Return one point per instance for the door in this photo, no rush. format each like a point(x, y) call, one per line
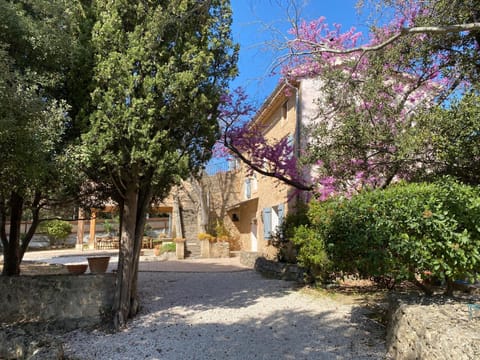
point(253, 235)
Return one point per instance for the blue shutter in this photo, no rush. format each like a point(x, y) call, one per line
point(267, 223)
point(280, 212)
point(248, 189)
point(291, 142)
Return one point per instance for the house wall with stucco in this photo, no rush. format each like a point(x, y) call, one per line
point(267, 199)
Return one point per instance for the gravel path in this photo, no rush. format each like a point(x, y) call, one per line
point(237, 315)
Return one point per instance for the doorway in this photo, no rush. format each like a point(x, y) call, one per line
point(253, 235)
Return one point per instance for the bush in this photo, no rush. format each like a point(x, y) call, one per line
point(312, 253)
point(168, 247)
point(400, 232)
point(282, 238)
point(57, 230)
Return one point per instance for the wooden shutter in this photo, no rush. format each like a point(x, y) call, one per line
point(281, 213)
point(267, 223)
point(248, 189)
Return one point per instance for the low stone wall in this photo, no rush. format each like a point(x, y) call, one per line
point(68, 301)
point(248, 258)
point(433, 331)
point(277, 270)
point(220, 250)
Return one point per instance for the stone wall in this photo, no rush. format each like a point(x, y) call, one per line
point(68, 301)
point(220, 250)
point(277, 270)
point(248, 258)
point(433, 331)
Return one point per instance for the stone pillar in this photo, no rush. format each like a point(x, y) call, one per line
point(93, 221)
point(180, 248)
point(177, 221)
point(205, 248)
point(80, 229)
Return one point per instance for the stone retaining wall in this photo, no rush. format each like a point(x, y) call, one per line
point(248, 258)
point(277, 270)
point(220, 250)
point(433, 331)
point(68, 301)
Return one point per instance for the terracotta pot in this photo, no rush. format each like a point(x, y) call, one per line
point(76, 269)
point(98, 264)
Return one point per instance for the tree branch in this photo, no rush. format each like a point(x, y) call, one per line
point(297, 184)
point(321, 48)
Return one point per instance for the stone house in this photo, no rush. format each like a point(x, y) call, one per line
point(249, 206)
point(265, 201)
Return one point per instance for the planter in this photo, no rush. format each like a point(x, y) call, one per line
point(76, 269)
point(98, 264)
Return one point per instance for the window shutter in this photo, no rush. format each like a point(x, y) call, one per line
point(280, 212)
point(291, 143)
point(267, 223)
point(248, 189)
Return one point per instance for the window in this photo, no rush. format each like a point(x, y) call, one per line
point(272, 219)
point(285, 110)
point(248, 189)
point(254, 183)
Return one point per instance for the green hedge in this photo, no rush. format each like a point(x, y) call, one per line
point(398, 233)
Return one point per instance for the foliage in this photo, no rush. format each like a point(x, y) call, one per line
point(283, 237)
point(402, 231)
point(111, 227)
point(221, 230)
point(371, 85)
point(312, 252)
point(205, 236)
point(39, 49)
point(450, 138)
point(168, 247)
point(57, 230)
point(160, 70)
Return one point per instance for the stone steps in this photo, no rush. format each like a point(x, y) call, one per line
point(192, 249)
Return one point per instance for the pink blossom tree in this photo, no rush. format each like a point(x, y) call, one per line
point(245, 140)
point(370, 91)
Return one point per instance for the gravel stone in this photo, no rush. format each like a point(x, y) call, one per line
point(232, 315)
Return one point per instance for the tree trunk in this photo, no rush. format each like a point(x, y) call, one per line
point(126, 269)
point(11, 253)
point(33, 226)
point(144, 199)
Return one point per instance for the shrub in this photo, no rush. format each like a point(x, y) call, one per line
point(57, 230)
point(206, 236)
point(312, 253)
point(402, 231)
point(283, 237)
point(168, 247)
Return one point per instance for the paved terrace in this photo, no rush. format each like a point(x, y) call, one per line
point(147, 262)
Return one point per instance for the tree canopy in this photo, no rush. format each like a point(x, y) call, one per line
point(37, 44)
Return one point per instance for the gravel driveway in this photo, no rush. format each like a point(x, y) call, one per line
point(232, 315)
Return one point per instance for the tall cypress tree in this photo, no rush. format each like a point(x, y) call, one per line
point(160, 69)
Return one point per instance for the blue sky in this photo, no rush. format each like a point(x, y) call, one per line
point(258, 22)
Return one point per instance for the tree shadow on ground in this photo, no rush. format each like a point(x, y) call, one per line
point(232, 316)
point(165, 290)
